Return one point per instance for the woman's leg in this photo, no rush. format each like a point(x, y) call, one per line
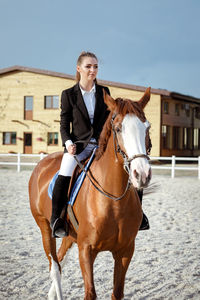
point(58, 223)
point(59, 202)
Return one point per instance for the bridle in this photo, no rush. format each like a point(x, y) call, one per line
point(126, 165)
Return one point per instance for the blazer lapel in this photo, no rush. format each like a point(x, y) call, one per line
point(80, 102)
point(99, 103)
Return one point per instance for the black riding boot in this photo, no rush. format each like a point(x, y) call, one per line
point(145, 222)
point(58, 221)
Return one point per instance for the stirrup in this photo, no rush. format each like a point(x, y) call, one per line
point(60, 228)
point(145, 223)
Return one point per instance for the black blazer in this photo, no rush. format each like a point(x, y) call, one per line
point(74, 113)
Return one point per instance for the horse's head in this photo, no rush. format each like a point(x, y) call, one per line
point(131, 132)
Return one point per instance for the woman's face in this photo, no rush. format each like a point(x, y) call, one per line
point(88, 69)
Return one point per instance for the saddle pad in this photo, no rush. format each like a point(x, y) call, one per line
point(77, 184)
point(51, 185)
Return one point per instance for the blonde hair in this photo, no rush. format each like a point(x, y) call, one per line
point(79, 62)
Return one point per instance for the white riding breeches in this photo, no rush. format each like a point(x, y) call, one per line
point(68, 162)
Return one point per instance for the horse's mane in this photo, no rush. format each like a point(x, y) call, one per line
point(124, 106)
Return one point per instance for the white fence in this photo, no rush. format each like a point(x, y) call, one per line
point(19, 161)
point(173, 167)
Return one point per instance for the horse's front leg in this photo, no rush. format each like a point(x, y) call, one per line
point(122, 261)
point(86, 258)
point(49, 245)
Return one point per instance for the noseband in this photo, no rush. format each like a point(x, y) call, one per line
point(117, 149)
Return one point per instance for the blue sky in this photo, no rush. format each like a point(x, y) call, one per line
point(143, 42)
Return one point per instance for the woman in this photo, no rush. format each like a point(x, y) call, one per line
point(83, 107)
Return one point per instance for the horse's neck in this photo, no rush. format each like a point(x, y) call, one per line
point(109, 170)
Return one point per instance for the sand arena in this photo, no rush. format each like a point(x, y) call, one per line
point(165, 264)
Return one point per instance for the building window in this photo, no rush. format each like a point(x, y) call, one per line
point(197, 112)
point(166, 107)
point(28, 107)
point(187, 110)
point(177, 109)
point(165, 137)
point(196, 138)
point(52, 138)
point(9, 138)
point(51, 102)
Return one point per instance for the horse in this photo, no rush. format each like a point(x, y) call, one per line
point(107, 207)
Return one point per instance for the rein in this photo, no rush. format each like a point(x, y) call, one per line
point(100, 188)
point(126, 165)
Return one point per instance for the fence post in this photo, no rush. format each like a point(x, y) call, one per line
point(199, 167)
point(41, 155)
point(173, 166)
point(18, 162)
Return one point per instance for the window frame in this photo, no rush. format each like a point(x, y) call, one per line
point(166, 107)
point(28, 114)
point(52, 101)
point(53, 138)
point(177, 109)
point(187, 111)
point(197, 113)
point(10, 138)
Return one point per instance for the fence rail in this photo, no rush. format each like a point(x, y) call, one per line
point(173, 167)
point(19, 161)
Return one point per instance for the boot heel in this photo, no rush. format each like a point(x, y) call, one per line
point(145, 223)
point(60, 228)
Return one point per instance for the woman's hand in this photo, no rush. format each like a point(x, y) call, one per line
point(72, 149)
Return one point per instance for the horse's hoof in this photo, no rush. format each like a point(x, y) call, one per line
point(60, 228)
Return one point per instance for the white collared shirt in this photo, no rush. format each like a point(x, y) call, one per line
point(90, 101)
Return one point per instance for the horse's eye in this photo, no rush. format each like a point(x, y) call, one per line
point(118, 129)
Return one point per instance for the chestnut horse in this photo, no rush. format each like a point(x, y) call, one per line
point(109, 217)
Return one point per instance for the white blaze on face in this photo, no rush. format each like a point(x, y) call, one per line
point(133, 134)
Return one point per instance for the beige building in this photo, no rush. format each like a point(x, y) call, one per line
point(30, 113)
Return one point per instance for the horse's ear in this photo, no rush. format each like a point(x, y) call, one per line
point(145, 98)
point(109, 101)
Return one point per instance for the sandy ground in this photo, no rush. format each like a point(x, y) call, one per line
point(165, 265)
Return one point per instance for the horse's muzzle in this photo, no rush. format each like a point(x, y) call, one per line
point(141, 179)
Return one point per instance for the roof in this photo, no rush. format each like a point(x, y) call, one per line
point(161, 92)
